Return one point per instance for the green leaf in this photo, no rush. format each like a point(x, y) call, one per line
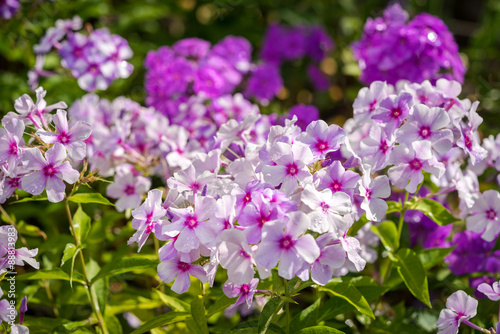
point(85, 198)
point(70, 252)
point(393, 207)
point(352, 295)
point(51, 274)
point(254, 324)
point(174, 303)
point(434, 210)
point(124, 265)
point(199, 314)
point(307, 317)
point(221, 304)
point(413, 274)
point(266, 316)
point(162, 320)
point(29, 230)
point(113, 325)
point(388, 234)
point(31, 199)
point(81, 222)
point(100, 289)
point(319, 330)
point(433, 256)
point(362, 221)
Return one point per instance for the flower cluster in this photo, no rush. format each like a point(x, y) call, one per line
point(43, 162)
point(392, 49)
point(9, 8)
point(96, 59)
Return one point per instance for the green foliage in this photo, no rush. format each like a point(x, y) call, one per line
point(199, 315)
point(85, 198)
point(319, 330)
point(162, 320)
point(268, 312)
point(125, 265)
point(432, 209)
point(348, 292)
point(388, 234)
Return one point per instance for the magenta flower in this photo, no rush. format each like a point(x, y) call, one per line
point(180, 271)
point(193, 227)
point(188, 182)
point(322, 138)
point(11, 142)
point(128, 188)
point(49, 171)
point(469, 138)
point(291, 166)
point(372, 191)
point(491, 291)
point(305, 115)
point(236, 256)
point(257, 214)
point(71, 138)
point(282, 241)
point(368, 100)
point(409, 164)
point(392, 111)
point(427, 124)
point(332, 257)
point(375, 149)
point(336, 178)
point(146, 217)
point(264, 83)
point(459, 308)
point(485, 216)
point(244, 292)
point(5, 309)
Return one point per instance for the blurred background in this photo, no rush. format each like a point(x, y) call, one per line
point(149, 24)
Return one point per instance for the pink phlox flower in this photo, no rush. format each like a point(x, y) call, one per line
point(491, 291)
point(180, 271)
point(332, 256)
point(146, 217)
point(244, 292)
point(469, 138)
point(409, 162)
point(372, 190)
point(128, 188)
point(327, 208)
point(485, 216)
point(392, 111)
point(49, 171)
point(369, 99)
point(188, 183)
point(285, 241)
point(11, 145)
point(207, 162)
point(72, 138)
point(236, 131)
point(336, 178)
point(256, 215)
point(236, 256)
point(322, 138)
point(459, 307)
point(375, 149)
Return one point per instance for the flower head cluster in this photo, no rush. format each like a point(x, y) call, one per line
point(392, 49)
point(96, 59)
point(43, 163)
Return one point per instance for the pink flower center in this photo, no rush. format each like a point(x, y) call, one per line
point(425, 132)
point(149, 228)
point(49, 170)
point(286, 242)
point(262, 220)
point(491, 214)
point(372, 106)
point(191, 222)
point(324, 206)
point(292, 169)
point(396, 112)
point(383, 146)
point(247, 198)
point(336, 186)
point(14, 182)
point(321, 145)
point(468, 142)
point(13, 148)
point(245, 254)
point(415, 164)
point(129, 190)
point(368, 194)
point(183, 266)
point(195, 186)
point(63, 138)
point(94, 69)
point(245, 289)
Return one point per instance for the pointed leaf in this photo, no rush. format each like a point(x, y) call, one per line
point(320, 330)
point(348, 292)
point(124, 265)
point(174, 303)
point(162, 320)
point(434, 210)
point(85, 198)
point(270, 309)
point(52, 274)
point(81, 222)
point(307, 317)
point(388, 234)
point(199, 314)
point(221, 304)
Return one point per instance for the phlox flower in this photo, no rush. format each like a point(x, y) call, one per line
point(49, 171)
point(11, 144)
point(336, 178)
point(236, 256)
point(491, 291)
point(285, 242)
point(485, 216)
point(322, 138)
point(256, 215)
point(244, 292)
point(305, 115)
point(459, 308)
point(372, 191)
point(332, 257)
point(375, 149)
point(4, 309)
point(469, 138)
point(392, 111)
point(128, 188)
point(368, 100)
point(180, 271)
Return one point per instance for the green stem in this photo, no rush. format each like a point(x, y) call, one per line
point(402, 216)
point(287, 306)
point(93, 300)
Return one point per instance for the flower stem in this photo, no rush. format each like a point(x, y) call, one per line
point(287, 306)
point(93, 300)
point(402, 216)
point(476, 327)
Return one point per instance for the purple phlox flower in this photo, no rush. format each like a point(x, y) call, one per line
point(491, 291)
point(243, 172)
point(176, 142)
point(392, 111)
point(128, 187)
point(9, 8)
point(7, 187)
point(194, 226)
point(233, 106)
point(425, 232)
point(322, 138)
point(244, 292)
point(320, 80)
point(19, 329)
point(180, 270)
point(256, 215)
point(55, 34)
point(425, 93)
point(427, 124)
point(469, 138)
point(5, 310)
point(332, 257)
point(49, 171)
point(376, 148)
point(352, 248)
point(209, 82)
point(23, 309)
point(264, 83)
point(336, 178)
point(11, 145)
point(236, 256)
point(319, 43)
point(72, 138)
point(284, 241)
point(192, 48)
point(452, 162)
point(474, 282)
point(236, 132)
point(72, 49)
point(30, 111)
point(369, 99)
point(459, 307)
point(236, 50)
point(146, 217)
point(373, 190)
point(283, 203)
point(485, 215)
point(290, 166)
point(472, 254)
point(188, 183)
point(225, 212)
point(246, 196)
point(327, 209)
point(305, 115)
point(409, 164)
